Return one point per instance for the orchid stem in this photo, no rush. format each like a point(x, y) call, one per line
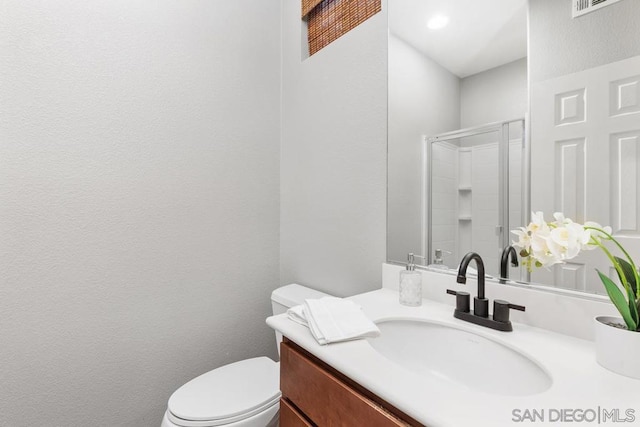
point(626, 254)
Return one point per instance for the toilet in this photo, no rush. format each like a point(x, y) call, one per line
point(240, 394)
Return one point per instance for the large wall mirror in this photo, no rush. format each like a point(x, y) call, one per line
point(568, 90)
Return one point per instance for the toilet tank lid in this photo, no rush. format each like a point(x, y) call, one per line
point(294, 294)
point(231, 392)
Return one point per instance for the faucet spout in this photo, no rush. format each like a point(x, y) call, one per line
point(504, 260)
point(480, 316)
point(462, 271)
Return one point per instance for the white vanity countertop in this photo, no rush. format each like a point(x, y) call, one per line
point(579, 383)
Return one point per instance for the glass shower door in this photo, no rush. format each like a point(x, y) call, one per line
point(474, 190)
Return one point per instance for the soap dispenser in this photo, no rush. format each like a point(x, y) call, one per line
point(411, 284)
point(438, 262)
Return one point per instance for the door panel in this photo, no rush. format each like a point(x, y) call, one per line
point(585, 153)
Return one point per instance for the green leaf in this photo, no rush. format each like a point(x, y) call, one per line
point(618, 299)
point(628, 273)
point(633, 308)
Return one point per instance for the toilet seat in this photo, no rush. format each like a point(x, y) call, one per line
point(227, 394)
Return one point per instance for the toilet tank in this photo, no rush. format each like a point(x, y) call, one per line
point(288, 296)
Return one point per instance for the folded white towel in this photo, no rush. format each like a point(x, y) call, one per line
point(333, 319)
point(296, 314)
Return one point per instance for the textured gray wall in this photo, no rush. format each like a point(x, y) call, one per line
point(494, 95)
point(424, 99)
point(333, 158)
point(139, 201)
point(559, 45)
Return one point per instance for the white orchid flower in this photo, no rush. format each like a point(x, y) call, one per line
point(565, 242)
point(546, 244)
point(560, 219)
point(596, 234)
point(524, 239)
point(540, 251)
point(549, 243)
point(546, 259)
point(537, 222)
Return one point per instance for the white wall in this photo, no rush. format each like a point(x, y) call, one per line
point(494, 95)
point(424, 99)
point(139, 198)
point(333, 158)
point(560, 45)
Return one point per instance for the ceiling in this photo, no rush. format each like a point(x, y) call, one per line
point(481, 34)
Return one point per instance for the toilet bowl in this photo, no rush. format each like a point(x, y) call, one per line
point(241, 394)
point(244, 393)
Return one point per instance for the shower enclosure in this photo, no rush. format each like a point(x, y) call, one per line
point(475, 191)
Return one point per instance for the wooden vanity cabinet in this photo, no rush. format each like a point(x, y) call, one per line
point(315, 394)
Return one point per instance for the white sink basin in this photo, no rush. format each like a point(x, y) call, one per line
point(460, 357)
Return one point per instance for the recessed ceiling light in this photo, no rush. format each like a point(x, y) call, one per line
point(437, 22)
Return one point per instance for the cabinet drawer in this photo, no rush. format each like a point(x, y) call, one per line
point(289, 417)
point(323, 397)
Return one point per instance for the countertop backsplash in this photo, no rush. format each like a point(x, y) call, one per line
point(560, 311)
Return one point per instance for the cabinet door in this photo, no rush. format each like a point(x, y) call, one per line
point(325, 399)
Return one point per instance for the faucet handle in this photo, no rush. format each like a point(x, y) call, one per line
point(462, 300)
point(501, 310)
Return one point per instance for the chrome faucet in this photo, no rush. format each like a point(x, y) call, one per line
point(480, 316)
point(504, 260)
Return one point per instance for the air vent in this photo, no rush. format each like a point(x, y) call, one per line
point(581, 7)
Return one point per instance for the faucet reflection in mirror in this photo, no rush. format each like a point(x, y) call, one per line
point(507, 252)
point(543, 244)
